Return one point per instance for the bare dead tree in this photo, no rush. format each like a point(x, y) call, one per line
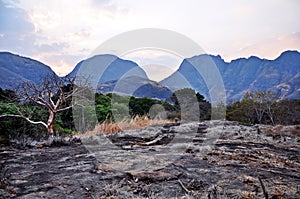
point(262, 104)
point(271, 100)
point(52, 93)
point(258, 105)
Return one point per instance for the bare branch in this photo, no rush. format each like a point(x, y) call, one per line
point(52, 93)
point(65, 108)
point(183, 187)
point(26, 118)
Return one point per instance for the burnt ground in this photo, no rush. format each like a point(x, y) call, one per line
point(244, 162)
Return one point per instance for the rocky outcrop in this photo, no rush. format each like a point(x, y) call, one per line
point(221, 160)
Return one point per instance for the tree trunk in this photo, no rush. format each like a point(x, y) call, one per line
point(50, 123)
point(271, 113)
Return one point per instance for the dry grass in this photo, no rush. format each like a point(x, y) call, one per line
point(290, 130)
point(137, 122)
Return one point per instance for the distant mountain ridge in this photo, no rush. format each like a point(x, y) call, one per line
point(281, 75)
point(244, 74)
point(15, 69)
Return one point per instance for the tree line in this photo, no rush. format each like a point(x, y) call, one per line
point(47, 107)
point(263, 107)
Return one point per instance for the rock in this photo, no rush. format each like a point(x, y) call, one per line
point(45, 142)
point(222, 160)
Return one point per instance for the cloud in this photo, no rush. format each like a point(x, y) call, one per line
point(154, 56)
point(16, 29)
point(19, 35)
point(271, 48)
point(43, 32)
point(40, 28)
point(157, 72)
point(157, 63)
point(45, 29)
point(14, 20)
point(62, 64)
point(54, 47)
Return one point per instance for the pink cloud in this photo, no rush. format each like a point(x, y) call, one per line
point(272, 48)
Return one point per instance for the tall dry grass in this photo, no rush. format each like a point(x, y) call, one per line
point(288, 130)
point(108, 127)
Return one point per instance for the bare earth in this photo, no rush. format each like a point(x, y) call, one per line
point(244, 162)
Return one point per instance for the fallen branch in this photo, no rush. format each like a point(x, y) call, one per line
point(156, 141)
point(263, 188)
point(183, 187)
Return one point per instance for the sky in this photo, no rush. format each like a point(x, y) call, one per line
point(60, 33)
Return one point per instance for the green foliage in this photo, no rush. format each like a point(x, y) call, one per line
point(103, 112)
point(236, 112)
point(15, 128)
point(114, 107)
point(119, 98)
point(200, 98)
point(85, 118)
point(188, 104)
point(140, 106)
point(8, 108)
point(110, 107)
point(59, 127)
point(120, 112)
point(219, 111)
point(103, 99)
point(103, 107)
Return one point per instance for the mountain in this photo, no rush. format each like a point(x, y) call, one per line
point(121, 76)
point(116, 68)
point(136, 86)
point(15, 69)
point(290, 89)
point(241, 75)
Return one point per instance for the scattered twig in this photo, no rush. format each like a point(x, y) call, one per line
point(4, 175)
point(157, 140)
point(263, 188)
point(183, 187)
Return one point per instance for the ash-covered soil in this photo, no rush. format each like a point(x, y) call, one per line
point(212, 159)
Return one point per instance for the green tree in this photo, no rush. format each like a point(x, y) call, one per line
point(103, 107)
point(219, 111)
point(235, 112)
point(120, 112)
point(141, 106)
point(191, 105)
